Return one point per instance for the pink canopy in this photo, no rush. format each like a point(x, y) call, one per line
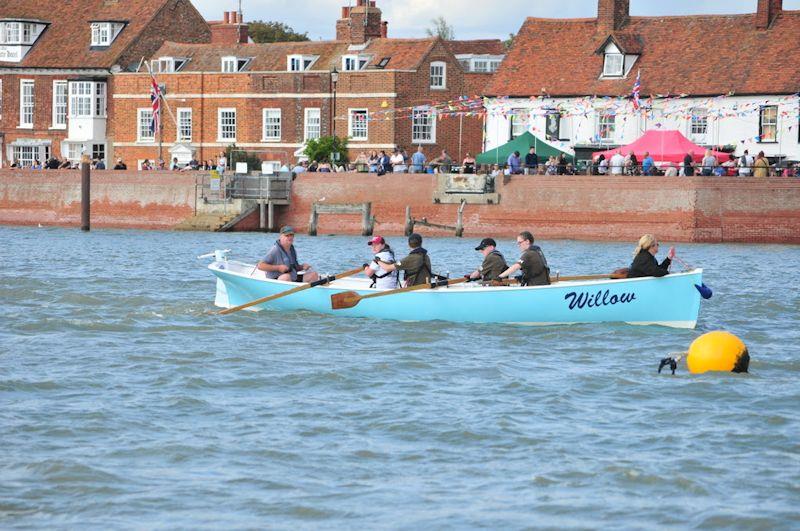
point(664, 146)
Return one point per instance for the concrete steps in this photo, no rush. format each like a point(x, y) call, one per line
point(205, 222)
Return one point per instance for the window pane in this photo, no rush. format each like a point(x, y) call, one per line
point(613, 64)
point(769, 124)
point(60, 103)
point(312, 124)
point(26, 103)
point(358, 124)
point(437, 75)
point(184, 125)
point(227, 124)
point(145, 122)
point(607, 125)
point(422, 126)
point(272, 124)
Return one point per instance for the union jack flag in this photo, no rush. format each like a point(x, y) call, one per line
point(637, 87)
point(155, 98)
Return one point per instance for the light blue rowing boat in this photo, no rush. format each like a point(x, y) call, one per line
point(669, 301)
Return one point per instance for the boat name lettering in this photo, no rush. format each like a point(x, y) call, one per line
point(600, 298)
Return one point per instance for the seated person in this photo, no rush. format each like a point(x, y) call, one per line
point(644, 259)
point(281, 262)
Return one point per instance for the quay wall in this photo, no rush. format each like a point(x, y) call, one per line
point(608, 208)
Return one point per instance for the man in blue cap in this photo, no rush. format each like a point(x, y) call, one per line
point(281, 262)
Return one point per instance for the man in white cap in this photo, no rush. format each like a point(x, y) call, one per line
point(281, 262)
point(381, 278)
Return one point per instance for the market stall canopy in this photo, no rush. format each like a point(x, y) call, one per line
point(522, 144)
point(663, 146)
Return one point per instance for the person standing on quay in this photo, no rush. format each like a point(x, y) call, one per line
point(761, 166)
point(418, 161)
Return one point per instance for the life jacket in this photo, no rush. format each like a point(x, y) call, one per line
point(423, 267)
point(525, 279)
point(290, 257)
point(382, 273)
point(498, 253)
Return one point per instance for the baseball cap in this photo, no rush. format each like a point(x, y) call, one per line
point(376, 240)
point(486, 242)
point(286, 229)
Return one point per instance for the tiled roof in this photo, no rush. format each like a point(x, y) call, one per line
point(701, 55)
point(67, 40)
point(476, 47)
point(403, 53)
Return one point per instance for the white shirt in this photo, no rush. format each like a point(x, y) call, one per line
point(747, 167)
point(617, 162)
point(390, 280)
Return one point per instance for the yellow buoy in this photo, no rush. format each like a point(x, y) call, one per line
point(717, 351)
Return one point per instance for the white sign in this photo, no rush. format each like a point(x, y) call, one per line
point(241, 168)
point(11, 54)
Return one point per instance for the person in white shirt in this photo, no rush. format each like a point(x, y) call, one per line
point(222, 162)
point(746, 163)
point(381, 278)
point(617, 164)
point(398, 162)
point(671, 170)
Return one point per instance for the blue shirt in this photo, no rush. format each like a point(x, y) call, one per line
point(647, 164)
point(418, 160)
point(513, 162)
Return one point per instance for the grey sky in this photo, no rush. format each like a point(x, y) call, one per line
point(471, 19)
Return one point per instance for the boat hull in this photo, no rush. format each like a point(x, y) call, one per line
point(670, 301)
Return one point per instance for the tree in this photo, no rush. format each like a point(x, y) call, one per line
point(261, 31)
point(441, 29)
point(322, 149)
point(508, 43)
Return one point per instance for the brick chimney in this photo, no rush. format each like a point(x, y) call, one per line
point(231, 30)
point(360, 23)
point(384, 29)
point(767, 11)
point(612, 15)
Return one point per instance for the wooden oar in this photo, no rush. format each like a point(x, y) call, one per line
point(292, 291)
point(348, 299)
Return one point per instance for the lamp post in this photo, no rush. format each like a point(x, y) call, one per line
point(334, 80)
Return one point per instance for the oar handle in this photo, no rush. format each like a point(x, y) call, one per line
point(418, 287)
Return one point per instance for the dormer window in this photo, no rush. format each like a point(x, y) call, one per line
point(234, 64)
point(480, 63)
point(351, 63)
point(300, 63)
point(104, 33)
point(614, 65)
point(24, 33)
point(166, 65)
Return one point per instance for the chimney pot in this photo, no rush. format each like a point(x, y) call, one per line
point(767, 11)
point(226, 17)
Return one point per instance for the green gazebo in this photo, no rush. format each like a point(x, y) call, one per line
point(522, 144)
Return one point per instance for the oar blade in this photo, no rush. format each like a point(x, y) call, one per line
point(344, 300)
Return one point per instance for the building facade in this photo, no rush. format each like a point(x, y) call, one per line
point(269, 99)
point(722, 80)
point(57, 61)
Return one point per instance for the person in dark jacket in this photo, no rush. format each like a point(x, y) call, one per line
point(644, 259)
point(417, 265)
point(493, 262)
point(532, 263)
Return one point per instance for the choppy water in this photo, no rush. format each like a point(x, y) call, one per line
point(125, 404)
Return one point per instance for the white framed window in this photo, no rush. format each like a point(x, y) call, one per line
point(74, 151)
point(271, 125)
point(26, 103)
point(518, 121)
point(60, 101)
point(19, 32)
point(698, 124)
point(606, 126)
point(768, 124)
point(438, 75)
point(351, 63)
point(494, 65)
point(229, 64)
point(99, 99)
point(12, 33)
point(312, 127)
point(25, 155)
point(80, 99)
point(184, 124)
point(164, 64)
point(99, 152)
point(613, 65)
point(423, 126)
point(480, 65)
point(101, 33)
point(300, 63)
point(144, 124)
point(226, 125)
point(357, 124)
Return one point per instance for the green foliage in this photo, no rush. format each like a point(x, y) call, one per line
point(272, 31)
point(441, 29)
point(321, 149)
point(508, 43)
point(235, 155)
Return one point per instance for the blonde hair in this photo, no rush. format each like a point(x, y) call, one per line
point(645, 243)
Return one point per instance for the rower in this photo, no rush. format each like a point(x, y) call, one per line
point(376, 270)
point(532, 263)
point(644, 259)
point(417, 265)
point(493, 262)
point(281, 261)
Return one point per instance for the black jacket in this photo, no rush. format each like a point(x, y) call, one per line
point(646, 265)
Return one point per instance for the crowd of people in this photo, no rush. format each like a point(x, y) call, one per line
point(710, 165)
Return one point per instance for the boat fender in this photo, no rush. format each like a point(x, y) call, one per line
point(704, 290)
point(717, 351)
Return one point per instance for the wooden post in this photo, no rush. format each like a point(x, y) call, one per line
point(86, 196)
point(366, 219)
point(261, 215)
point(271, 216)
point(312, 222)
point(460, 220)
point(409, 228)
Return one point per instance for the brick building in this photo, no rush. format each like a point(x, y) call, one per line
point(719, 79)
point(271, 98)
point(57, 62)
